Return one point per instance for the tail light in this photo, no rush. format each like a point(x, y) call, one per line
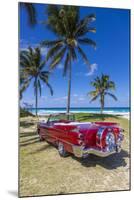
point(81, 139)
point(81, 136)
point(80, 142)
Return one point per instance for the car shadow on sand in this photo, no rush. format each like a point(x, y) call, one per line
point(111, 162)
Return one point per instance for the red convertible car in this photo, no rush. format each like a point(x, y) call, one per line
point(81, 138)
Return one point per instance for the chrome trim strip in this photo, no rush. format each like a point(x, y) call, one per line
point(100, 134)
point(79, 152)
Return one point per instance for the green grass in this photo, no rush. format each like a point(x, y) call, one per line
point(44, 172)
point(94, 117)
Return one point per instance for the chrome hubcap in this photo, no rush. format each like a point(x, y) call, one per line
point(60, 147)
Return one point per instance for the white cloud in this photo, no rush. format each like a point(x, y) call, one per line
point(93, 68)
point(60, 98)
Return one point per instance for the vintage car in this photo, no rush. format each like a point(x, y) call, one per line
point(81, 138)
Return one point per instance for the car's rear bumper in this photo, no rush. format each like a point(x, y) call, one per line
point(82, 152)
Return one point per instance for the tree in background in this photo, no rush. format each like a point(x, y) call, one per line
point(32, 71)
point(102, 86)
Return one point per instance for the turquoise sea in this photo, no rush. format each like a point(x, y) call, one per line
point(112, 110)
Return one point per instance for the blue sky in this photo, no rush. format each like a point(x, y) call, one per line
point(111, 57)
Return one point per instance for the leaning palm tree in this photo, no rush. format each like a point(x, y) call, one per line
point(30, 9)
point(102, 87)
point(72, 34)
point(32, 70)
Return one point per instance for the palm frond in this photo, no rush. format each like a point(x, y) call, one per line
point(87, 41)
point(37, 56)
point(58, 58)
point(53, 51)
point(24, 85)
point(83, 55)
point(93, 93)
point(111, 85)
point(55, 21)
point(83, 31)
point(92, 30)
point(94, 98)
point(48, 43)
point(42, 64)
point(25, 58)
point(31, 11)
point(50, 88)
point(111, 95)
point(44, 77)
point(84, 23)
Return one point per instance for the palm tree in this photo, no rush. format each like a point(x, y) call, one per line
point(71, 32)
point(31, 70)
point(102, 86)
point(29, 7)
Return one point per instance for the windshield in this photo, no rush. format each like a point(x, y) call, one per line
point(59, 117)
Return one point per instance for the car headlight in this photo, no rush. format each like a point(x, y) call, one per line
point(110, 141)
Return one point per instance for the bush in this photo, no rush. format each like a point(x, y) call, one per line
point(25, 113)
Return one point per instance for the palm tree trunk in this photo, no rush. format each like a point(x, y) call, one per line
point(36, 100)
point(101, 109)
point(102, 104)
point(69, 90)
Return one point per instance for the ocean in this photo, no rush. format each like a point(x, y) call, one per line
point(112, 110)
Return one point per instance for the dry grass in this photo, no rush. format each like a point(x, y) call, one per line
point(44, 172)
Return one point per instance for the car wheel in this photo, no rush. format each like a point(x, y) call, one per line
point(40, 137)
point(62, 150)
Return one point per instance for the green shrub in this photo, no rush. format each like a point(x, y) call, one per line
point(25, 113)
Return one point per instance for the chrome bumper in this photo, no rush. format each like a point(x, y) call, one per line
point(80, 152)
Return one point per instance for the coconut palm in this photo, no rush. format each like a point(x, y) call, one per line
point(32, 70)
point(102, 87)
point(71, 34)
point(29, 7)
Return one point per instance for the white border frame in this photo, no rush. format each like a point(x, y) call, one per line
point(9, 101)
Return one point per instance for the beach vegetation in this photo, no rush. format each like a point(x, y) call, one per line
point(25, 113)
